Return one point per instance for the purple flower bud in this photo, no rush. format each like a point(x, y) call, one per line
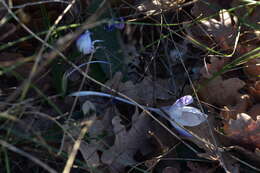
point(115, 24)
point(183, 101)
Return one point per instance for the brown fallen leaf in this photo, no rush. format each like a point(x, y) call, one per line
point(214, 66)
point(255, 90)
point(127, 143)
point(252, 69)
point(244, 130)
point(145, 92)
point(221, 92)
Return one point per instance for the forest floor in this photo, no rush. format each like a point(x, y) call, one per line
point(127, 86)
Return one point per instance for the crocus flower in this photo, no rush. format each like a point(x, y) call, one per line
point(85, 44)
point(185, 115)
point(182, 114)
point(115, 24)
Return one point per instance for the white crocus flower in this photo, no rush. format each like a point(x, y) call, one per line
point(85, 44)
point(179, 113)
point(185, 115)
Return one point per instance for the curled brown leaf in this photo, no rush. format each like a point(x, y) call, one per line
point(244, 130)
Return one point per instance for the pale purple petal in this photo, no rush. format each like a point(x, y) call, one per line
point(183, 101)
point(84, 43)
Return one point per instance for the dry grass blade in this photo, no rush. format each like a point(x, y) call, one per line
point(74, 151)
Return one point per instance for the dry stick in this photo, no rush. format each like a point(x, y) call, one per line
point(32, 158)
point(39, 56)
point(75, 149)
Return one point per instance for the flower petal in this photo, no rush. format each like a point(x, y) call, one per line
point(187, 115)
point(183, 101)
point(84, 43)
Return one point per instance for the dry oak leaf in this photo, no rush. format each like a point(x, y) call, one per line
point(221, 92)
point(144, 92)
point(244, 130)
point(127, 143)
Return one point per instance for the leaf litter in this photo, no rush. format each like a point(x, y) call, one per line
point(127, 143)
point(121, 139)
point(97, 126)
point(244, 130)
point(148, 90)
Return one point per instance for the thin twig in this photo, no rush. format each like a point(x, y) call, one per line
point(74, 151)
